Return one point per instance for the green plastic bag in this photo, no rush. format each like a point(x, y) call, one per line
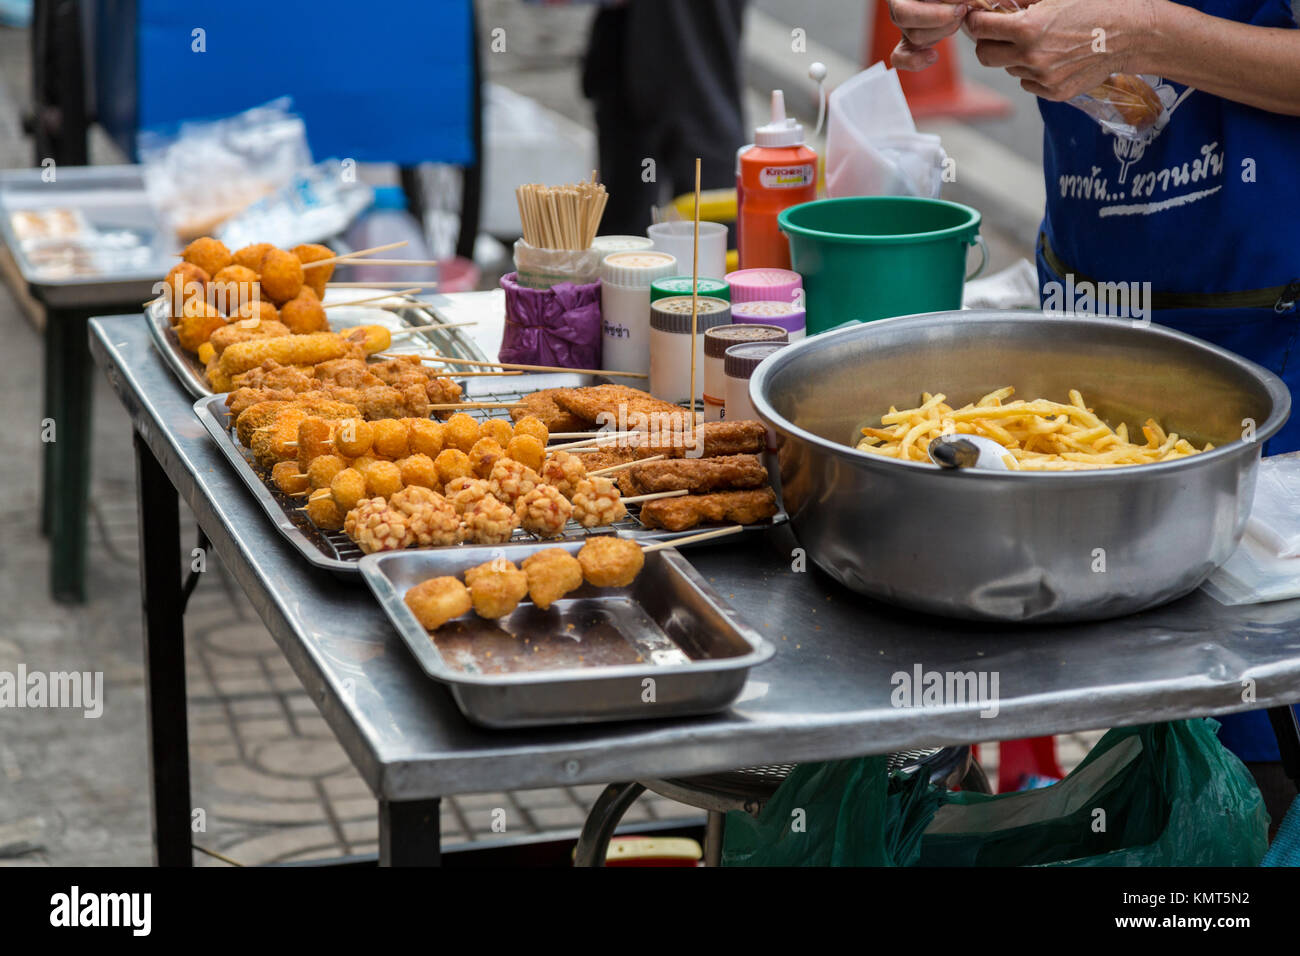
point(1156, 795)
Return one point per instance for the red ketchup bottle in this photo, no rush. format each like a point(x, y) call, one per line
point(776, 172)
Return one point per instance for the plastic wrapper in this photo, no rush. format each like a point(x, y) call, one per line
point(317, 203)
point(203, 172)
point(542, 268)
point(1126, 105)
point(1266, 565)
point(555, 326)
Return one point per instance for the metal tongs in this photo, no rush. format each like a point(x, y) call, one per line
point(967, 451)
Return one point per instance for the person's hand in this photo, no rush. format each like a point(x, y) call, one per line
point(924, 23)
point(1061, 48)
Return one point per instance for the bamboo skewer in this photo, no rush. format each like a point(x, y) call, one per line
point(627, 464)
point(373, 298)
point(358, 254)
point(348, 261)
point(691, 538)
point(377, 285)
point(598, 441)
point(455, 374)
point(437, 325)
point(524, 368)
point(561, 217)
point(452, 406)
point(655, 495)
point(695, 288)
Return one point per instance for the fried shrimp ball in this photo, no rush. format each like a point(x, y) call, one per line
point(419, 470)
point(484, 455)
point(564, 471)
point(424, 436)
point(433, 520)
point(436, 601)
point(609, 562)
point(198, 321)
point(252, 314)
point(375, 526)
point(465, 493)
point(288, 478)
point(496, 588)
point(250, 257)
point(596, 502)
point(354, 437)
point(347, 488)
point(383, 479)
point(315, 279)
point(321, 471)
point(232, 288)
point(210, 255)
point(325, 514)
point(544, 511)
point(389, 438)
point(552, 574)
point(304, 313)
point(532, 425)
point(184, 281)
point(460, 431)
point(498, 429)
point(527, 450)
point(281, 274)
point(452, 464)
point(489, 521)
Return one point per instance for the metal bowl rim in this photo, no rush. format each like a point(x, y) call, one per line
point(1277, 391)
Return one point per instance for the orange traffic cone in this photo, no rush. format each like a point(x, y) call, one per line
point(939, 90)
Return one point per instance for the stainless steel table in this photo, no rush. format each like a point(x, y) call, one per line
point(826, 694)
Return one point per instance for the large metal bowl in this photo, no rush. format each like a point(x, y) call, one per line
point(1017, 546)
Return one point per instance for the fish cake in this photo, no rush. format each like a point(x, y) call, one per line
point(609, 562)
point(542, 406)
point(739, 507)
point(696, 475)
point(627, 408)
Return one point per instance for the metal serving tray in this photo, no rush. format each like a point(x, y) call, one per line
point(397, 316)
point(665, 646)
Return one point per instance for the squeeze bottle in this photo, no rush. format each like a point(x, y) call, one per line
point(776, 172)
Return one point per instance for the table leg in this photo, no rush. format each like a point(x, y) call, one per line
point(66, 485)
point(410, 833)
point(164, 659)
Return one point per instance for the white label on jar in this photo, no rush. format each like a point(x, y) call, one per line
point(786, 177)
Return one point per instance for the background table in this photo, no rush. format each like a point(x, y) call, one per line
point(826, 694)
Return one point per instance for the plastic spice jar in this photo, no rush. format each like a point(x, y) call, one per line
point(739, 363)
point(716, 342)
point(788, 315)
point(670, 344)
point(625, 279)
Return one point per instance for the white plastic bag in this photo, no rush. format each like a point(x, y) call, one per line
point(1266, 565)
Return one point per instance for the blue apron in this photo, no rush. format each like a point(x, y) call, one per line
point(1206, 210)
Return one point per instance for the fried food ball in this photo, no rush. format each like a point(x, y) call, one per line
point(496, 588)
point(304, 313)
point(252, 315)
point(452, 464)
point(424, 436)
point(250, 257)
point(489, 521)
point(532, 425)
point(362, 463)
point(389, 438)
point(210, 255)
point(374, 526)
point(527, 450)
point(460, 431)
point(207, 352)
point(321, 471)
point(498, 429)
point(609, 562)
point(288, 478)
point(484, 455)
point(465, 493)
point(348, 487)
point(433, 520)
point(325, 514)
point(544, 511)
point(419, 470)
point(281, 274)
point(564, 471)
point(552, 574)
point(232, 288)
point(436, 601)
point(198, 321)
point(383, 478)
point(373, 338)
point(184, 281)
point(315, 438)
point(315, 279)
point(597, 502)
point(354, 437)
point(510, 480)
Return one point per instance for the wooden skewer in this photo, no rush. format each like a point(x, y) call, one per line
point(437, 325)
point(690, 538)
point(627, 464)
point(596, 442)
point(347, 261)
point(455, 374)
point(360, 253)
point(555, 435)
point(451, 406)
point(377, 285)
point(658, 494)
point(695, 287)
point(525, 368)
point(374, 298)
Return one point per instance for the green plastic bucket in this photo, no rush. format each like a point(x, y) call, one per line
point(874, 257)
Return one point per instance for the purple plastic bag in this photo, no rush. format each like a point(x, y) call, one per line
point(555, 326)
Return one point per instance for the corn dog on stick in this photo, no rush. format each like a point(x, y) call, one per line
point(286, 349)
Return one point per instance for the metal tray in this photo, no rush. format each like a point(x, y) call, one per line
point(335, 551)
point(400, 314)
point(589, 657)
